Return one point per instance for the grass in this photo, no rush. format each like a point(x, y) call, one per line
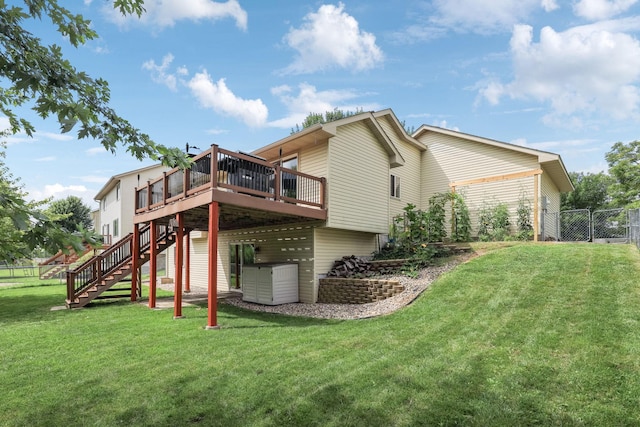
point(524, 335)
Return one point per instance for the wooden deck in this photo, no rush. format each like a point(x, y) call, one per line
point(250, 191)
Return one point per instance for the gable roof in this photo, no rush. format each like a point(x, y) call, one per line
point(551, 163)
point(321, 131)
point(115, 179)
point(399, 128)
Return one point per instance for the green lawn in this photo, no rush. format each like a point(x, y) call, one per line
point(531, 334)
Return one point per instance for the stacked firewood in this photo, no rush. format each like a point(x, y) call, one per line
point(350, 266)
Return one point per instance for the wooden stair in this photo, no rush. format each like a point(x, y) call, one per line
point(100, 273)
point(60, 262)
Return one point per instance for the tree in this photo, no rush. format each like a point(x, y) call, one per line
point(73, 214)
point(624, 165)
point(329, 116)
point(38, 75)
point(591, 191)
point(25, 227)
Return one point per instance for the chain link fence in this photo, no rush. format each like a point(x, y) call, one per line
point(634, 226)
point(580, 225)
point(575, 225)
point(610, 225)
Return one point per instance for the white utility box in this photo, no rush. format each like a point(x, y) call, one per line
point(270, 283)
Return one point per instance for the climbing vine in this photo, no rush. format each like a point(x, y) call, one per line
point(525, 227)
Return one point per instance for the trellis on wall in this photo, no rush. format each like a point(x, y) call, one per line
point(535, 173)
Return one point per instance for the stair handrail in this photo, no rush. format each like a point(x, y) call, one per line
point(102, 265)
point(94, 269)
point(65, 260)
point(52, 259)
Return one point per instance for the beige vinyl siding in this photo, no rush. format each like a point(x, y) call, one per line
point(409, 180)
point(332, 244)
point(489, 195)
point(199, 256)
point(449, 159)
point(358, 180)
point(549, 189)
point(313, 161)
point(286, 243)
point(409, 173)
point(199, 268)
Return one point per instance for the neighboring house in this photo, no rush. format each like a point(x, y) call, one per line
point(373, 169)
point(116, 198)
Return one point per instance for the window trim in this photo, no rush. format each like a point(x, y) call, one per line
point(395, 186)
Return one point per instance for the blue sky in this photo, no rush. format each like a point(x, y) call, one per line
point(561, 76)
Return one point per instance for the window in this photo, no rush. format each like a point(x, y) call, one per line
point(291, 163)
point(103, 202)
point(395, 186)
point(290, 181)
point(115, 228)
point(118, 192)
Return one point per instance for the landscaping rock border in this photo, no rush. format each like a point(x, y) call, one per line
point(412, 289)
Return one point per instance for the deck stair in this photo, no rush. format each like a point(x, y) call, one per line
point(60, 262)
point(101, 272)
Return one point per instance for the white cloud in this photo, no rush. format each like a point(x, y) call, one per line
point(549, 5)
point(582, 72)
point(58, 191)
point(22, 137)
point(470, 16)
point(46, 159)
point(443, 124)
point(55, 136)
point(217, 131)
point(94, 179)
point(484, 17)
point(309, 100)
point(596, 10)
point(331, 38)
point(95, 151)
point(575, 145)
point(159, 72)
point(217, 96)
point(4, 124)
point(417, 33)
point(165, 13)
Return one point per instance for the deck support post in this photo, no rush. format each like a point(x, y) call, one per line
point(187, 262)
point(177, 292)
point(153, 262)
point(135, 256)
point(212, 318)
point(237, 266)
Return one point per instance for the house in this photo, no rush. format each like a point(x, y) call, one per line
point(116, 199)
point(373, 170)
point(327, 191)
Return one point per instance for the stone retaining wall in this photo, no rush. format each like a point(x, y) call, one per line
point(356, 291)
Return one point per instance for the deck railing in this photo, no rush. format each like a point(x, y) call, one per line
point(235, 172)
point(103, 265)
point(60, 261)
